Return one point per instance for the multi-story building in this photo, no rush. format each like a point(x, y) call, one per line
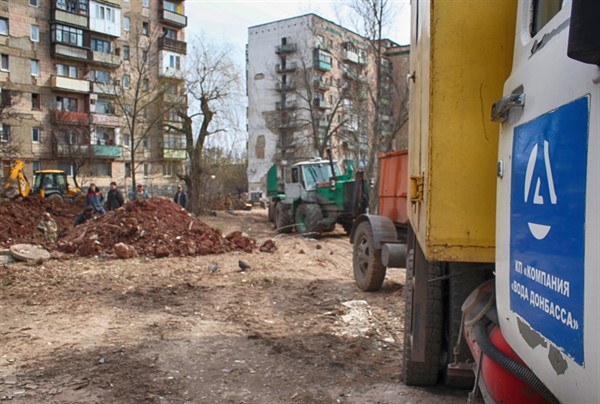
point(310, 86)
point(70, 73)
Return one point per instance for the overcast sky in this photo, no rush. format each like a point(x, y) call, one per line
point(228, 20)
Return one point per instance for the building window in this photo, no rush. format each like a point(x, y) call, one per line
point(169, 5)
point(144, 56)
point(145, 143)
point(4, 133)
point(126, 23)
point(5, 98)
point(146, 169)
point(100, 76)
point(103, 169)
point(259, 150)
point(127, 170)
point(66, 104)
point(146, 85)
point(66, 70)
point(98, 45)
point(127, 140)
point(67, 35)
point(126, 81)
point(104, 107)
point(174, 62)
point(35, 135)
point(168, 168)
point(35, 67)
point(146, 3)
point(174, 141)
point(73, 6)
point(35, 101)
point(104, 13)
point(145, 28)
point(35, 33)
point(169, 33)
point(34, 3)
point(3, 26)
point(4, 63)
point(36, 165)
point(125, 52)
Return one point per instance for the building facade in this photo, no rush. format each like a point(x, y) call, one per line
point(310, 86)
point(76, 74)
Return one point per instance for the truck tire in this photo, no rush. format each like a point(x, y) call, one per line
point(308, 216)
point(369, 272)
point(463, 279)
point(55, 198)
point(424, 373)
point(283, 218)
point(271, 211)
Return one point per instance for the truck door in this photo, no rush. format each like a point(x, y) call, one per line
point(547, 229)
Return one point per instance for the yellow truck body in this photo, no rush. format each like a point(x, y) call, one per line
point(458, 67)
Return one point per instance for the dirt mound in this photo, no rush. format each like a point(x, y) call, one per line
point(19, 219)
point(154, 227)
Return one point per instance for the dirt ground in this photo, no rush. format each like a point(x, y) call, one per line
point(291, 329)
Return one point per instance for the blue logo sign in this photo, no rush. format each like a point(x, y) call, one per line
point(547, 224)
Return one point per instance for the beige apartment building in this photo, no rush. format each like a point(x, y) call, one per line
point(75, 74)
point(310, 86)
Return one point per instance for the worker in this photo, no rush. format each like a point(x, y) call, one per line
point(95, 199)
point(49, 227)
point(140, 193)
point(86, 215)
point(114, 198)
point(180, 197)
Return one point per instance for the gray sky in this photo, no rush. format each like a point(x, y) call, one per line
point(228, 20)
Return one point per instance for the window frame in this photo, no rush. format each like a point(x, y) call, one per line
point(34, 3)
point(35, 33)
point(126, 23)
point(5, 133)
point(33, 135)
point(126, 52)
point(5, 20)
point(126, 81)
point(36, 67)
point(35, 107)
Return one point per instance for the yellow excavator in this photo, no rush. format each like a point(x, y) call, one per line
point(49, 184)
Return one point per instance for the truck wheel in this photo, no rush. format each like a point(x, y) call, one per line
point(283, 218)
point(425, 372)
point(308, 216)
point(271, 211)
point(369, 272)
point(55, 198)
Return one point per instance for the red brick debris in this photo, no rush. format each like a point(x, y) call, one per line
point(154, 227)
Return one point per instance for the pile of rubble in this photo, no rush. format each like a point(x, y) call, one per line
point(154, 227)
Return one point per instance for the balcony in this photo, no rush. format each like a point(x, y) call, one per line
point(114, 2)
point(69, 84)
point(64, 17)
point(107, 59)
point(69, 52)
point(106, 120)
point(288, 123)
point(175, 154)
point(281, 106)
point(286, 68)
point(283, 87)
point(70, 118)
point(106, 151)
point(171, 18)
point(321, 85)
point(322, 65)
point(350, 56)
point(72, 149)
point(172, 45)
point(104, 89)
point(174, 99)
point(287, 48)
point(322, 104)
point(171, 72)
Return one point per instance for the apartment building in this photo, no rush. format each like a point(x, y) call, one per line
point(310, 84)
point(72, 76)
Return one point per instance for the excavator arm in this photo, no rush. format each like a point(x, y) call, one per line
point(16, 184)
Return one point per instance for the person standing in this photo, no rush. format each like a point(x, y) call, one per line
point(95, 199)
point(140, 193)
point(180, 197)
point(49, 227)
point(114, 198)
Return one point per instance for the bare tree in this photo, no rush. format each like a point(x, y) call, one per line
point(139, 97)
point(10, 147)
point(371, 18)
point(214, 90)
point(72, 142)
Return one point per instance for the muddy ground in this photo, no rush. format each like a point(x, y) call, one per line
point(291, 329)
